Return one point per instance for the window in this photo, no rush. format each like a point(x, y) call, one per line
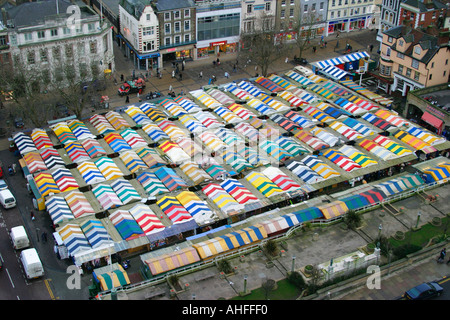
point(167, 41)
point(446, 62)
point(28, 36)
point(93, 47)
point(417, 50)
point(282, 14)
point(400, 55)
point(177, 26)
point(445, 72)
point(415, 64)
point(291, 13)
point(388, 52)
point(187, 25)
point(31, 56)
point(432, 65)
point(400, 43)
point(66, 31)
point(321, 6)
point(56, 53)
point(390, 39)
point(43, 55)
point(267, 7)
point(313, 7)
point(422, 17)
point(81, 49)
point(333, 3)
point(305, 8)
point(400, 69)
point(148, 16)
point(176, 14)
point(332, 14)
point(339, 2)
point(249, 8)
point(408, 72)
point(292, 2)
point(69, 51)
point(339, 13)
point(283, 2)
point(187, 13)
point(41, 34)
point(148, 31)
point(187, 37)
point(54, 32)
point(177, 39)
point(91, 26)
point(166, 16)
point(167, 28)
point(430, 77)
point(416, 76)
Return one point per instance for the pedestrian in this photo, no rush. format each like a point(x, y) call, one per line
point(182, 66)
point(173, 73)
point(286, 60)
point(182, 92)
point(371, 47)
point(181, 76)
point(325, 44)
point(170, 88)
point(214, 63)
point(218, 62)
point(44, 237)
point(227, 75)
point(32, 215)
point(183, 63)
point(121, 77)
point(200, 75)
point(234, 68)
point(127, 99)
point(314, 49)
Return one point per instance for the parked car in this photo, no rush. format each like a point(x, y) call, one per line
point(3, 184)
point(423, 291)
point(301, 61)
point(18, 123)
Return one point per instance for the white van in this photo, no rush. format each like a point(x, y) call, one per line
point(7, 199)
point(19, 238)
point(304, 71)
point(31, 263)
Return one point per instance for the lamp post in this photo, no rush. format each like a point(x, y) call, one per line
point(418, 219)
point(380, 227)
point(293, 264)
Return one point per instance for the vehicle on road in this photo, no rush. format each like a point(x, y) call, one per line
point(424, 291)
point(134, 86)
point(304, 71)
point(19, 238)
point(31, 263)
point(7, 199)
point(301, 61)
point(3, 185)
point(18, 123)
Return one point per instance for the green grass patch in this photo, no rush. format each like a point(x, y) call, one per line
point(285, 291)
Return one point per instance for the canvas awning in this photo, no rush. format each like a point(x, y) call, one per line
point(152, 185)
point(333, 209)
point(51, 158)
point(171, 261)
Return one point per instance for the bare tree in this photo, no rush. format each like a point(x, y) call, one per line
point(306, 27)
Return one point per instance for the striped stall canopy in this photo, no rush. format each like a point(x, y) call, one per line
point(40, 139)
point(346, 131)
point(171, 129)
point(101, 124)
point(437, 173)
point(64, 179)
point(76, 151)
point(317, 114)
point(325, 136)
point(216, 171)
point(137, 115)
point(341, 160)
point(212, 141)
point(359, 157)
point(227, 115)
point(280, 179)
point(174, 152)
point(170, 179)
point(106, 196)
point(377, 150)
point(192, 124)
point(152, 185)
point(222, 199)
point(334, 73)
point(274, 150)
point(230, 241)
point(154, 132)
point(79, 204)
point(373, 196)
point(414, 142)
point(355, 202)
point(189, 146)
point(355, 56)
point(248, 131)
point(330, 62)
point(237, 162)
point(90, 173)
point(304, 95)
point(358, 126)
point(133, 139)
point(63, 133)
point(296, 117)
point(193, 172)
point(377, 122)
point(152, 112)
point(322, 91)
point(125, 224)
point(261, 107)
point(362, 103)
point(132, 161)
point(196, 207)
point(310, 140)
point(285, 122)
point(281, 81)
point(268, 84)
point(304, 172)
point(425, 136)
point(171, 261)
point(146, 219)
point(238, 191)
point(24, 143)
point(205, 98)
point(335, 88)
point(299, 78)
point(349, 106)
point(320, 167)
point(391, 187)
point(93, 148)
point(293, 100)
point(116, 142)
point(125, 191)
point(241, 112)
point(335, 113)
point(173, 209)
point(207, 119)
point(273, 103)
point(391, 118)
point(74, 239)
point(238, 92)
point(412, 180)
point(291, 146)
point(316, 78)
point(58, 209)
point(171, 106)
point(150, 156)
point(279, 224)
point(187, 104)
point(263, 184)
point(116, 120)
point(46, 184)
point(220, 96)
point(96, 233)
point(34, 162)
point(79, 129)
point(250, 88)
point(308, 214)
point(108, 168)
point(334, 209)
point(51, 158)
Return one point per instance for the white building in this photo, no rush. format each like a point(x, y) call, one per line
point(49, 35)
point(139, 30)
point(257, 14)
point(349, 15)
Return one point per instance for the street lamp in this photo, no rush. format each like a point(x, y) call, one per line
point(418, 219)
point(380, 227)
point(293, 263)
point(245, 283)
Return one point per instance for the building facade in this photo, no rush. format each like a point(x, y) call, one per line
point(257, 15)
point(43, 36)
point(422, 14)
point(349, 15)
point(413, 59)
point(177, 29)
point(389, 16)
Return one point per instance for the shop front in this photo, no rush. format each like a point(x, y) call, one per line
point(213, 48)
point(338, 25)
point(357, 23)
point(180, 53)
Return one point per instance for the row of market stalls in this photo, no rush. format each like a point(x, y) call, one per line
point(137, 176)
